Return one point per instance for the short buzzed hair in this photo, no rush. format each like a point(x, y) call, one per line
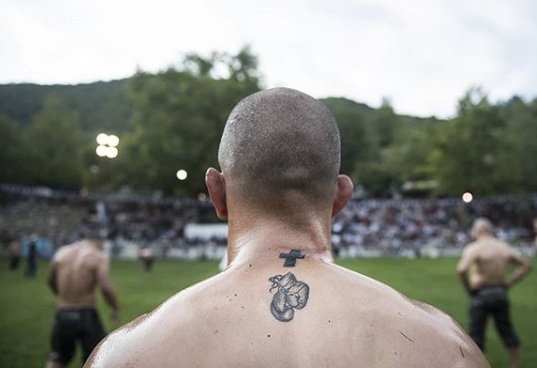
point(482, 226)
point(281, 140)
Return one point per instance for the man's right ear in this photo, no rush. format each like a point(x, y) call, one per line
point(216, 185)
point(344, 189)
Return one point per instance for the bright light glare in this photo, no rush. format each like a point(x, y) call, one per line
point(101, 151)
point(467, 197)
point(107, 145)
point(102, 139)
point(113, 140)
point(111, 152)
point(182, 174)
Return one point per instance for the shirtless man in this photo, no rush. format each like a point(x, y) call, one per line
point(14, 254)
point(483, 269)
point(147, 258)
point(535, 231)
point(282, 302)
point(75, 272)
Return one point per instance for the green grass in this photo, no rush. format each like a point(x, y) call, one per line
point(27, 306)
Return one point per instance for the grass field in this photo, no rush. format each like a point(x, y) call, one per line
point(27, 306)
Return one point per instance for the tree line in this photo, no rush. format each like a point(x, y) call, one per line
point(172, 120)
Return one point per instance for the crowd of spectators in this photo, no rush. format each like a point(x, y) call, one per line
point(440, 226)
point(403, 227)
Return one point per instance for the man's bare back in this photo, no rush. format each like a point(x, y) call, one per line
point(490, 259)
point(486, 261)
point(77, 270)
point(348, 320)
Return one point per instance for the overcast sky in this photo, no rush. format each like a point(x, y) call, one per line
point(421, 54)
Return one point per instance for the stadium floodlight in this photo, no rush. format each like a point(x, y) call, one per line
point(467, 197)
point(113, 140)
point(101, 151)
point(111, 152)
point(107, 145)
point(102, 139)
point(181, 174)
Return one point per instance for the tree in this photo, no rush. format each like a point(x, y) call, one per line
point(178, 117)
point(385, 123)
point(357, 141)
point(518, 147)
point(407, 157)
point(10, 145)
point(52, 146)
point(465, 157)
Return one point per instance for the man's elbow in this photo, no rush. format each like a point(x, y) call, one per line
point(52, 287)
point(108, 292)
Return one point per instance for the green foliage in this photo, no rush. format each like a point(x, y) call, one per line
point(10, 141)
point(358, 143)
point(385, 124)
point(53, 147)
point(518, 147)
point(27, 307)
point(465, 156)
point(100, 105)
point(179, 115)
point(407, 156)
point(173, 119)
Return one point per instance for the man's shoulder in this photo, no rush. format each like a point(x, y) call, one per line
point(470, 250)
point(402, 320)
point(140, 342)
point(440, 338)
point(472, 246)
point(64, 251)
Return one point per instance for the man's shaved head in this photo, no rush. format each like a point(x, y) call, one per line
point(482, 226)
point(280, 141)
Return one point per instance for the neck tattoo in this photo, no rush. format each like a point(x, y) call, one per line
point(291, 257)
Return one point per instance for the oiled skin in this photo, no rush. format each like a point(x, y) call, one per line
point(75, 273)
point(349, 321)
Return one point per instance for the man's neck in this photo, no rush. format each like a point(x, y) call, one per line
point(484, 236)
point(266, 238)
point(94, 243)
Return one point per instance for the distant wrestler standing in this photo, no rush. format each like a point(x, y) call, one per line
point(147, 258)
point(535, 232)
point(75, 273)
point(31, 257)
point(483, 269)
point(14, 254)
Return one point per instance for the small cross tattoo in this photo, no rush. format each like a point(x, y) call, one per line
point(291, 257)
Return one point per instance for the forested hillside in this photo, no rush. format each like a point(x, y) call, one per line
point(100, 105)
point(172, 120)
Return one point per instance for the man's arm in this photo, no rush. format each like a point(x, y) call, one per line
point(462, 269)
point(523, 267)
point(105, 284)
point(52, 277)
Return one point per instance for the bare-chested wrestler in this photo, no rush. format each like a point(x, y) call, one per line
point(535, 232)
point(483, 269)
point(282, 302)
point(75, 273)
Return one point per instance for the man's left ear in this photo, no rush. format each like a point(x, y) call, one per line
point(216, 185)
point(344, 189)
